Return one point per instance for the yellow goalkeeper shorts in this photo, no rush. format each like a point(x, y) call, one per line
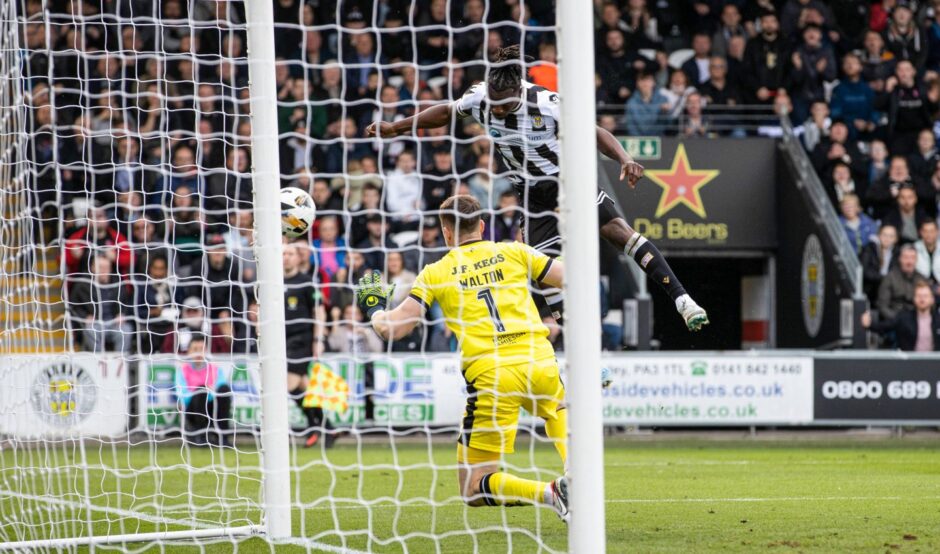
point(496, 396)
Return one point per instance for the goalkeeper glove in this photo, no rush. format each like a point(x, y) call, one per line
point(373, 295)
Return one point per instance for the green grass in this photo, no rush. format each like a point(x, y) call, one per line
point(662, 496)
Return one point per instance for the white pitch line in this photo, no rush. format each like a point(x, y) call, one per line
point(668, 463)
point(351, 506)
point(758, 499)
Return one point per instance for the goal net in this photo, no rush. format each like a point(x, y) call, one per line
point(130, 412)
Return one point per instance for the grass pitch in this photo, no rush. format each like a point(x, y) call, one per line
point(662, 495)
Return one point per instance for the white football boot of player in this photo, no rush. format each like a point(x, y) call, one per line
point(560, 498)
point(693, 314)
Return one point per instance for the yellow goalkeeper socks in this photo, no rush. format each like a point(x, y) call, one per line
point(504, 489)
point(557, 430)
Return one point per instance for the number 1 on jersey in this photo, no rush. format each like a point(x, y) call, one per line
point(486, 295)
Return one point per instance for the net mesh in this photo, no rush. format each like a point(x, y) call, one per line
point(128, 251)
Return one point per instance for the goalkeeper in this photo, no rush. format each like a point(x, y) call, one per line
point(507, 361)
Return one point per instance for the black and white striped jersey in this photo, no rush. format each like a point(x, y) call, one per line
point(527, 139)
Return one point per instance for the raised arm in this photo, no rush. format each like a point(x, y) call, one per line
point(433, 117)
point(372, 298)
point(398, 323)
point(610, 147)
point(555, 276)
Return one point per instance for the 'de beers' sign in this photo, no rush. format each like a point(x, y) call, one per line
point(714, 193)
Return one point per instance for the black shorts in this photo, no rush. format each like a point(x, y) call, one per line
point(299, 354)
point(539, 199)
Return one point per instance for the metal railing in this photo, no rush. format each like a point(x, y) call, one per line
point(719, 120)
point(808, 183)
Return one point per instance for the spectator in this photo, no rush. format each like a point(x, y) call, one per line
point(853, 99)
point(100, 303)
point(376, 243)
point(544, 73)
point(694, 123)
point(909, 107)
point(182, 172)
point(896, 291)
point(904, 38)
point(696, 67)
point(928, 255)
point(923, 161)
point(859, 228)
point(843, 184)
point(878, 258)
point(329, 250)
point(222, 286)
point(730, 27)
point(610, 20)
point(676, 95)
point(796, 14)
point(186, 225)
point(146, 245)
point(837, 148)
point(764, 69)
point(878, 161)
point(351, 335)
point(645, 109)
point(933, 43)
point(97, 238)
point(205, 398)
point(399, 276)
point(403, 189)
point(325, 198)
point(916, 329)
point(229, 189)
point(906, 216)
point(239, 244)
point(883, 193)
point(487, 187)
point(817, 126)
point(877, 63)
point(129, 173)
point(717, 90)
point(507, 221)
point(154, 300)
point(370, 204)
point(642, 25)
point(813, 65)
point(192, 322)
point(618, 67)
point(439, 183)
point(428, 248)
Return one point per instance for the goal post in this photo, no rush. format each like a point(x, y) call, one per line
point(586, 532)
point(171, 127)
point(271, 335)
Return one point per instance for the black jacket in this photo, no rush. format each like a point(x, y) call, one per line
point(905, 329)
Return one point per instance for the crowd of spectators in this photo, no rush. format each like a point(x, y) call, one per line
point(141, 140)
point(140, 134)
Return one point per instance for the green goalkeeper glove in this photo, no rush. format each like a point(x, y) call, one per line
point(373, 295)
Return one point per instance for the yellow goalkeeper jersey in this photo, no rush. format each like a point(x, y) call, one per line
point(483, 290)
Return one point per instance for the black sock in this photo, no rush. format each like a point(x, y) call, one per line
point(298, 396)
point(654, 264)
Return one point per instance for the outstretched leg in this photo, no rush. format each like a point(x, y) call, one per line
point(483, 484)
point(654, 264)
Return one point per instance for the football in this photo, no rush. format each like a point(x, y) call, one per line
point(297, 212)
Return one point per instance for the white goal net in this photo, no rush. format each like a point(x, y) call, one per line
point(130, 411)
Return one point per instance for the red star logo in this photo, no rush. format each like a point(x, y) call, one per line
point(681, 184)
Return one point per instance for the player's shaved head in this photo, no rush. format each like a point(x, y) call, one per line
point(464, 209)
